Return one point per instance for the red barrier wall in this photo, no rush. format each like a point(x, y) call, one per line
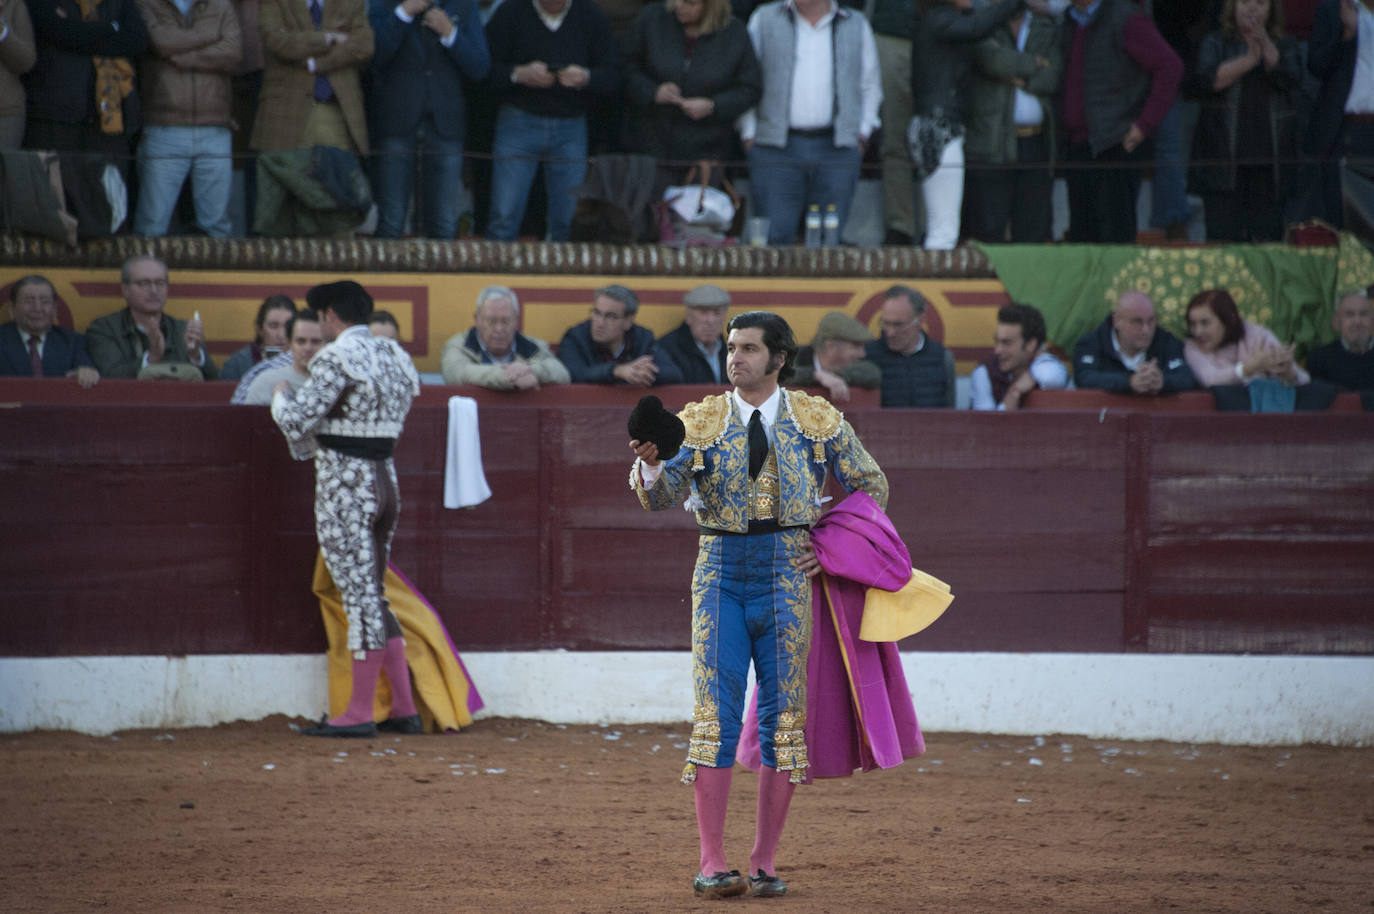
point(183, 527)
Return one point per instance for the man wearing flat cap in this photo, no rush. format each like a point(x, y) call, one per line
point(835, 359)
point(697, 346)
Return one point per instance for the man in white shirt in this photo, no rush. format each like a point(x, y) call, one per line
point(821, 91)
point(1019, 362)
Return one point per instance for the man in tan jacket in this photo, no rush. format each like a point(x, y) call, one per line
point(310, 90)
point(193, 47)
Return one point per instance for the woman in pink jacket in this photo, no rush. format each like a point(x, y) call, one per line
point(1223, 348)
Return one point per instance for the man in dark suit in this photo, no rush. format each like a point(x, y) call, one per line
point(424, 49)
point(32, 345)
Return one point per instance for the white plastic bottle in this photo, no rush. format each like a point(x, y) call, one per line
point(813, 226)
point(830, 233)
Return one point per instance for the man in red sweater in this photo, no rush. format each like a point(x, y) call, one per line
point(1110, 104)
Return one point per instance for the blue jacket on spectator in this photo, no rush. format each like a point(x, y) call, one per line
point(1098, 366)
point(412, 72)
point(588, 363)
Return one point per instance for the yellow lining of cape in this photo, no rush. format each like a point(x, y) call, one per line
point(894, 615)
point(437, 679)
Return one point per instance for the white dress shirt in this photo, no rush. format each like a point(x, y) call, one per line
point(812, 101)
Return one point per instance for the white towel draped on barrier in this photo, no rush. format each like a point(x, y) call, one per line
point(465, 485)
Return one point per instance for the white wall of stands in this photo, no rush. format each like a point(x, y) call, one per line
point(1261, 700)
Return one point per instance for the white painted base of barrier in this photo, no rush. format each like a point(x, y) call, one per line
point(1189, 698)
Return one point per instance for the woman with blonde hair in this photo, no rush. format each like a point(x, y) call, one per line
point(690, 71)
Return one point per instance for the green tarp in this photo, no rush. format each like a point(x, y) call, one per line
point(1288, 289)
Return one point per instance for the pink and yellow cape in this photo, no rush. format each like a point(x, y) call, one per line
point(444, 692)
point(859, 713)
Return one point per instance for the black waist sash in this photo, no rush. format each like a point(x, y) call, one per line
point(755, 527)
point(363, 448)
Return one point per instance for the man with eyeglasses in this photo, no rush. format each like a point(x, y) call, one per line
point(917, 370)
point(610, 349)
point(493, 353)
point(127, 342)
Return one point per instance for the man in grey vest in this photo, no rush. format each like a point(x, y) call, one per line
point(821, 92)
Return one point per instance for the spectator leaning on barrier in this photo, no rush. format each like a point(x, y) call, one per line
point(1120, 77)
point(31, 343)
point(1223, 348)
point(1348, 360)
point(17, 56)
point(610, 349)
point(821, 92)
point(835, 359)
point(697, 346)
point(690, 72)
point(131, 341)
point(187, 106)
point(1130, 353)
point(269, 337)
point(1019, 362)
point(547, 57)
point(917, 370)
point(495, 354)
point(307, 338)
point(424, 52)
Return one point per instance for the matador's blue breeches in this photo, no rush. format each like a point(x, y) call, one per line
point(749, 602)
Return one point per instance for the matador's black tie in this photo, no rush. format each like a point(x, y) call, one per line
point(758, 445)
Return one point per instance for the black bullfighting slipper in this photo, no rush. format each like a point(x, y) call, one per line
point(720, 885)
point(764, 886)
point(411, 724)
point(365, 730)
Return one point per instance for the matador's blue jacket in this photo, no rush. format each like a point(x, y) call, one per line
point(712, 469)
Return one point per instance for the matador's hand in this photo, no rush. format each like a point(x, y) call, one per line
point(646, 451)
point(807, 561)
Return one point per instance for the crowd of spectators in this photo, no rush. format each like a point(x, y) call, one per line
point(1244, 364)
point(293, 116)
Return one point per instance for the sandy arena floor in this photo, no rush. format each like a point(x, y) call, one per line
point(523, 816)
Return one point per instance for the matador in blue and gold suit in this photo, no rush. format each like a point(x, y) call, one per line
point(749, 601)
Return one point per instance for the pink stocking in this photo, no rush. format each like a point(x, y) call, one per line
point(398, 674)
point(712, 792)
point(775, 794)
point(365, 672)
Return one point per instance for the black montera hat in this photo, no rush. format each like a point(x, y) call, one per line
point(649, 421)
